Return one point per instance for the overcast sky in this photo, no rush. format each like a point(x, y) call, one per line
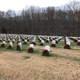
point(20, 4)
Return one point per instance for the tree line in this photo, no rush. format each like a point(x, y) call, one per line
point(64, 20)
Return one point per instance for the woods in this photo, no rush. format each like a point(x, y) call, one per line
point(33, 20)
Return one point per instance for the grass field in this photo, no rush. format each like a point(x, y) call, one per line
point(62, 64)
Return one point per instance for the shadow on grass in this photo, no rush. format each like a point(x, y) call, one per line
point(11, 50)
point(75, 49)
point(65, 57)
point(38, 52)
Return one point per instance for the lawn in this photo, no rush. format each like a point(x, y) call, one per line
point(62, 64)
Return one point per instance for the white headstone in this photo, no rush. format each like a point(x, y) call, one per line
point(48, 39)
point(53, 42)
point(20, 44)
point(67, 39)
point(47, 48)
point(78, 40)
point(68, 42)
point(11, 43)
point(25, 40)
point(42, 41)
point(4, 42)
point(31, 46)
point(13, 40)
point(8, 39)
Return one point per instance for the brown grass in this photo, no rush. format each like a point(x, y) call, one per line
point(14, 66)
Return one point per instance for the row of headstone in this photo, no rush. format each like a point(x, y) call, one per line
point(19, 44)
point(67, 43)
point(46, 51)
point(42, 39)
point(2, 37)
point(33, 41)
point(75, 39)
point(54, 40)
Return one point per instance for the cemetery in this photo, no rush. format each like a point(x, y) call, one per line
point(38, 57)
point(40, 43)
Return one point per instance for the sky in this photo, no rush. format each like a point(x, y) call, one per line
point(20, 4)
